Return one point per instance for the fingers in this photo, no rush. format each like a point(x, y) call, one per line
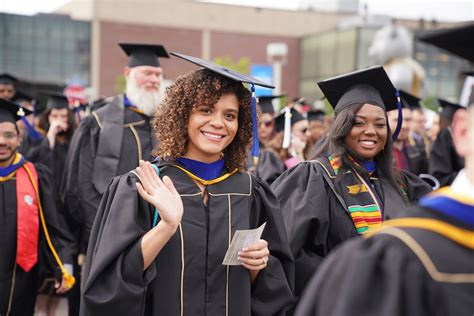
point(261, 244)
point(61, 288)
point(146, 177)
point(255, 256)
point(142, 192)
point(169, 184)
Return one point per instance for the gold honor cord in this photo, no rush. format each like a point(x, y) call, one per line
point(70, 280)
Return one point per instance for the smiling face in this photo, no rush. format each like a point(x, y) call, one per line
point(369, 133)
point(9, 142)
point(212, 129)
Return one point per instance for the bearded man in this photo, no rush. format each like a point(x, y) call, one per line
point(114, 138)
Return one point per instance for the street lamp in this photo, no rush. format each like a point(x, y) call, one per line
point(276, 56)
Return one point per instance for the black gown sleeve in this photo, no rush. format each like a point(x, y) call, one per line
point(269, 166)
point(272, 291)
point(78, 194)
point(443, 158)
point(416, 188)
point(114, 280)
point(377, 276)
point(305, 204)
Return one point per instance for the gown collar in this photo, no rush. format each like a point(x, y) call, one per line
point(205, 171)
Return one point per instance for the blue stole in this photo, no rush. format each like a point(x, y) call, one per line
point(128, 104)
point(205, 171)
point(11, 168)
point(450, 204)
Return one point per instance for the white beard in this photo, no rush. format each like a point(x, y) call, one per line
point(147, 101)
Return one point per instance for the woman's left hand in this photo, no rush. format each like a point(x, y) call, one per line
point(255, 256)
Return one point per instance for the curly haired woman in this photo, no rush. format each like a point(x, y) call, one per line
point(162, 231)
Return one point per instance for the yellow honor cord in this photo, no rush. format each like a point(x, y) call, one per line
point(69, 278)
point(206, 182)
point(461, 236)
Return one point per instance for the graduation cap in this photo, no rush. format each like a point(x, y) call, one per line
point(316, 115)
point(11, 112)
point(457, 40)
point(265, 103)
point(371, 85)
point(56, 101)
point(284, 121)
point(23, 97)
point(409, 100)
point(6, 78)
point(144, 54)
point(236, 76)
point(448, 108)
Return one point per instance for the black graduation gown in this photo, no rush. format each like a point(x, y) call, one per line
point(80, 192)
point(382, 276)
point(444, 162)
point(268, 168)
point(417, 158)
point(36, 151)
point(26, 283)
point(114, 277)
point(315, 220)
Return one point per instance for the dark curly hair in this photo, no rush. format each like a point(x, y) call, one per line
point(201, 87)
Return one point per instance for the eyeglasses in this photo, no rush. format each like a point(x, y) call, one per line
point(266, 123)
point(9, 135)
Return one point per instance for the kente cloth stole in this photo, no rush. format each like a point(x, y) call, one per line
point(360, 198)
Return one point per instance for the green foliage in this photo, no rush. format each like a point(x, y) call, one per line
point(120, 84)
point(430, 103)
point(242, 65)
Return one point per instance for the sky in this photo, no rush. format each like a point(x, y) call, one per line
point(442, 10)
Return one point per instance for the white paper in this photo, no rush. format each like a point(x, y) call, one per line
point(241, 239)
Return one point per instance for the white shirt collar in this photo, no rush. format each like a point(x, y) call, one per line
point(462, 185)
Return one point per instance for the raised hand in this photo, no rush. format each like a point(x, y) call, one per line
point(161, 194)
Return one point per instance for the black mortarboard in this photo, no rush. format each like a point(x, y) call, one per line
point(468, 72)
point(234, 75)
point(409, 100)
point(144, 54)
point(280, 119)
point(448, 108)
point(11, 112)
point(222, 70)
point(456, 40)
point(265, 103)
point(370, 85)
point(316, 115)
point(6, 78)
point(56, 101)
point(22, 96)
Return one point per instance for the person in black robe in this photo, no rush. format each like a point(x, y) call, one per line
point(419, 265)
point(444, 162)
point(351, 188)
point(57, 124)
point(27, 259)
point(269, 166)
point(34, 146)
point(408, 156)
point(161, 232)
point(112, 140)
